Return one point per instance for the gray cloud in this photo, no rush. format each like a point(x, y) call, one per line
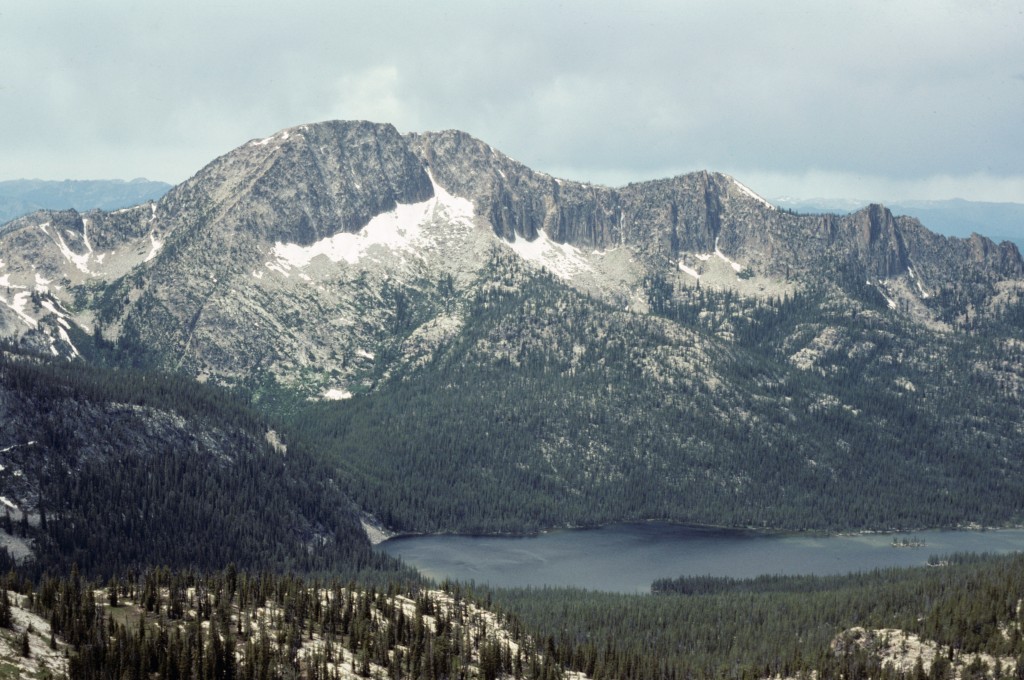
point(912, 94)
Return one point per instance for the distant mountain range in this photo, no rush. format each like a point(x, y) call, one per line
point(22, 196)
point(954, 217)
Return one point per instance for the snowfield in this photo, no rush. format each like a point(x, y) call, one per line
point(401, 229)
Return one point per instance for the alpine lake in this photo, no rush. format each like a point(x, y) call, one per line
point(627, 558)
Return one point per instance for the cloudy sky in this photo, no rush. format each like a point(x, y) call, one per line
point(879, 100)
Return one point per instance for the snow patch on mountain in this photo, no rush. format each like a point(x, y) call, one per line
point(561, 259)
point(746, 191)
point(67, 340)
point(155, 246)
point(395, 230)
point(401, 229)
point(689, 270)
point(337, 394)
point(917, 282)
point(52, 308)
point(737, 267)
point(280, 136)
point(85, 234)
point(81, 262)
point(18, 305)
point(880, 287)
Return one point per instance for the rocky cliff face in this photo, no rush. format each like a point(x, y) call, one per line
point(517, 201)
point(302, 184)
point(305, 255)
point(673, 220)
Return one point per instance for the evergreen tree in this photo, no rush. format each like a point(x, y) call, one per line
point(6, 619)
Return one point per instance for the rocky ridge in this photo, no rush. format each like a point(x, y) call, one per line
point(679, 219)
point(298, 258)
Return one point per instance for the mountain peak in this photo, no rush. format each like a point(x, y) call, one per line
point(311, 181)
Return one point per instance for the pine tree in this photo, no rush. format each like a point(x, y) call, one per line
point(5, 609)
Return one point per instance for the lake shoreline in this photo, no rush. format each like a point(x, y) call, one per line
point(628, 557)
point(378, 533)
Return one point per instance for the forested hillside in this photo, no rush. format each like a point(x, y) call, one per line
point(110, 469)
point(964, 619)
point(959, 620)
point(235, 624)
point(815, 410)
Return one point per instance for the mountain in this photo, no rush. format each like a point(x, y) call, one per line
point(23, 196)
point(427, 313)
point(954, 217)
point(299, 216)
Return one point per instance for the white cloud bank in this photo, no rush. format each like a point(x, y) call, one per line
point(916, 96)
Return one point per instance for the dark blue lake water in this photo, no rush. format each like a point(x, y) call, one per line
point(628, 557)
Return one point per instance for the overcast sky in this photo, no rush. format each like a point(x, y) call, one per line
point(878, 100)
